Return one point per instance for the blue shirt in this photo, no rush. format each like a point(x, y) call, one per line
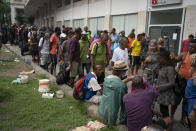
point(190, 94)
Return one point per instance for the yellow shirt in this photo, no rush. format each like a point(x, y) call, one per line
point(136, 48)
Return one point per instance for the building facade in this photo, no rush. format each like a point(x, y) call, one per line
point(17, 8)
point(172, 19)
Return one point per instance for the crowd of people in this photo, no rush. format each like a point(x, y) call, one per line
point(80, 54)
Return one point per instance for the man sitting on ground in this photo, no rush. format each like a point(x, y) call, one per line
point(91, 85)
point(113, 91)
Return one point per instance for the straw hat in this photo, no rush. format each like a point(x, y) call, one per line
point(120, 66)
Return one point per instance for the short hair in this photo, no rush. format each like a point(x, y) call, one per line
point(191, 36)
point(114, 29)
point(78, 30)
point(193, 60)
point(137, 82)
point(105, 31)
point(139, 35)
point(123, 39)
point(143, 34)
point(154, 42)
point(95, 66)
point(165, 54)
point(57, 29)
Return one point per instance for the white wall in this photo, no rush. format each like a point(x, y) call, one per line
point(127, 6)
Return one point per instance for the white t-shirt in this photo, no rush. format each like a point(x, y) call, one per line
point(45, 46)
point(93, 84)
point(121, 55)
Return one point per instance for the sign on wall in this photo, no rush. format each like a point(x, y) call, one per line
point(165, 2)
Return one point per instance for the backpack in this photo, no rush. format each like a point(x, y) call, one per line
point(63, 75)
point(78, 92)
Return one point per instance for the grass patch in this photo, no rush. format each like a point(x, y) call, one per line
point(25, 108)
point(28, 109)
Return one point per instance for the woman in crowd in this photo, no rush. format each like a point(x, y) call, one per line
point(166, 82)
point(34, 40)
point(151, 61)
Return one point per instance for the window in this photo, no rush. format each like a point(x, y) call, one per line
point(124, 22)
point(59, 3)
point(67, 2)
point(67, 23)
point(78, 23)
point(59, 24)
point(96, 24)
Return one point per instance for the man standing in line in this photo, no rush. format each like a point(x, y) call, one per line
point(99, 55)
point(121, 53)
point(53, 46)
point(74, 54)
point(135, 53)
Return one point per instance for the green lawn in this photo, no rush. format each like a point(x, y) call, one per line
point(22, 108)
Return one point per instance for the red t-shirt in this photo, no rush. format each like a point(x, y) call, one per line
point(54, 40)
point(185, 46)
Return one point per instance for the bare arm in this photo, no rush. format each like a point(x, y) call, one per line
point(92, 60)
point(178, 58)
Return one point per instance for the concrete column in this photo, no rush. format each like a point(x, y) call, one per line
point(86, 21)
point(190, 22)
point(13, 14)
point(107, 21)
point(141, 22)
point(71, 14)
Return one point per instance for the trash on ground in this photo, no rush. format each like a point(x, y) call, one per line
point(48, 95)
point(96, 125)
point(27, 60)
point(44, 85)
point(59, 94)
point(7, 51)
point(27, 72)
point(17, 81)
point(16, 60)
point(91, 126)
point(24, 79)
point(83, 128)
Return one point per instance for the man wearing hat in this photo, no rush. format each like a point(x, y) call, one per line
point(84, 52)
point(113, 91)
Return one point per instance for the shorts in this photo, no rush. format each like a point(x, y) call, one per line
point(96, 99)
point(53, 59)
point(44, 59)
point(135, 60)
point(130, 59)
point(76, 69)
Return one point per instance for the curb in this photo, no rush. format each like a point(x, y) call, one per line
point(91, 108)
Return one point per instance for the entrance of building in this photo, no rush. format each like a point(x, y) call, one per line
point(167, 24)
point(171, 34)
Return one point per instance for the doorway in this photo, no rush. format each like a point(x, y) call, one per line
point(171, 34)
